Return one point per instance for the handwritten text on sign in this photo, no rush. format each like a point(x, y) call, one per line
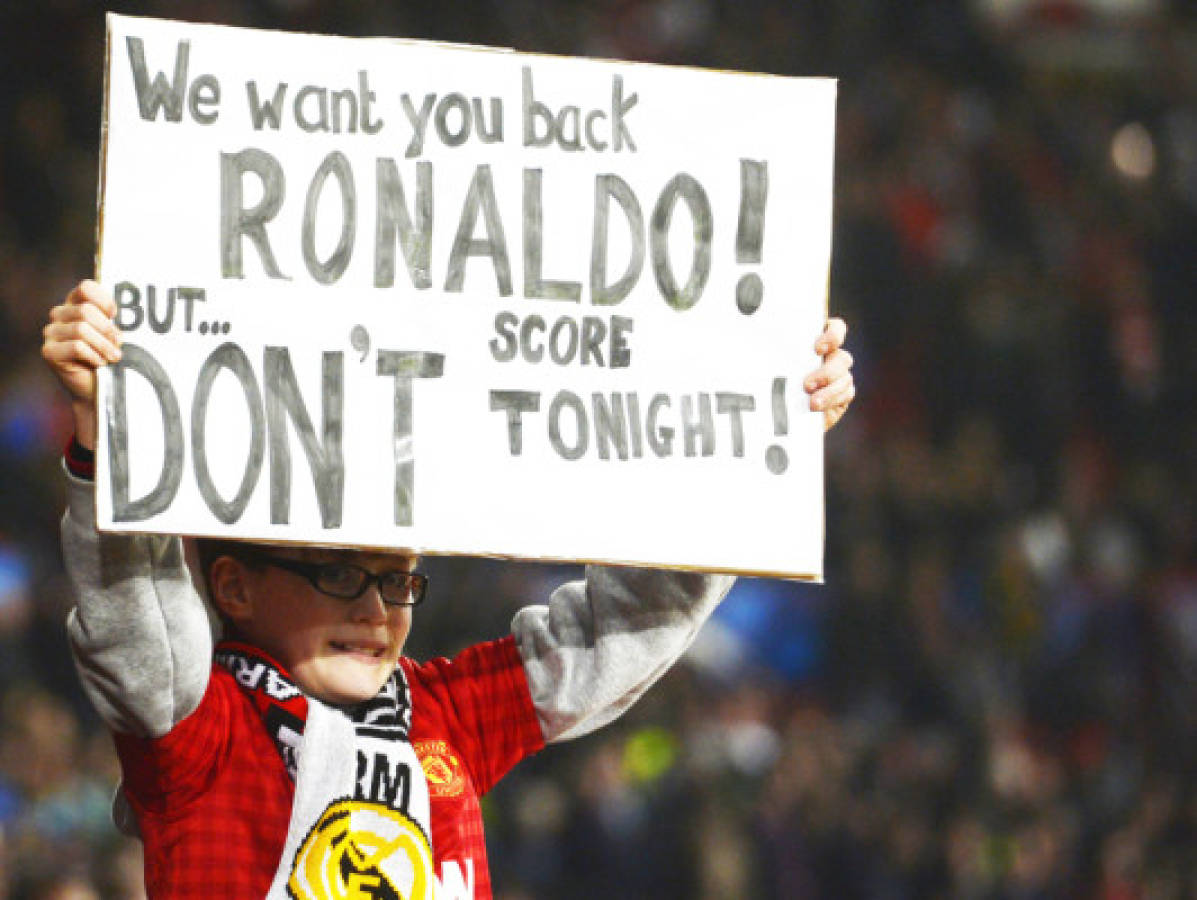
point(393, 293)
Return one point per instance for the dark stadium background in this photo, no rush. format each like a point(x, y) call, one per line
point(993, 695)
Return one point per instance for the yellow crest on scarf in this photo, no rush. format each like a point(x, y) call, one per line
point(360, 850)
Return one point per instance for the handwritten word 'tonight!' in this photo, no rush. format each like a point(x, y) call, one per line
point(623, 425)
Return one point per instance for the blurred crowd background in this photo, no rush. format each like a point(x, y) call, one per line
point(993, 694)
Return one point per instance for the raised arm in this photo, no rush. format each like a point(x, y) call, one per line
point(139, 631)
point(602, 642)
point(599, 644)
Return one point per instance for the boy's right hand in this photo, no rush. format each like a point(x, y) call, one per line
point(80, 337)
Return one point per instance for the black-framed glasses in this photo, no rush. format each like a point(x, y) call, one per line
point(347, 581)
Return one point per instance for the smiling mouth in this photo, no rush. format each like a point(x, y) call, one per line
point(371, 651)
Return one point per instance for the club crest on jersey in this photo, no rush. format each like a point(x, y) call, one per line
point(360, 850)
point(442, 769)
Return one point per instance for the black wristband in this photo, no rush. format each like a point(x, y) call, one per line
point(80, 461)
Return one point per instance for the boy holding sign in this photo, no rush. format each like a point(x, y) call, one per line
point(303, 756)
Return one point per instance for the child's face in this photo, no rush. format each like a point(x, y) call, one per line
point(339, 651)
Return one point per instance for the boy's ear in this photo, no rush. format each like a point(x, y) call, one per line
point(230, 595)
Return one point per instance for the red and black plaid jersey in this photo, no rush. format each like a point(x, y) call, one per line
point(472, 720)
point(213, 798)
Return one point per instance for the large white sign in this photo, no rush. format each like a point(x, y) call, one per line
point(461, 300)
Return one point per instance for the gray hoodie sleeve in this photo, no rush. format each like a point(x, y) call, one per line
point(139, 631)
point(601, 643)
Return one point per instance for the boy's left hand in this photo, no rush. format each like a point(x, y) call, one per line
point(830, 386)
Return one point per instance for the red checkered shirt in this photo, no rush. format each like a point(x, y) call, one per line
point(213, 799)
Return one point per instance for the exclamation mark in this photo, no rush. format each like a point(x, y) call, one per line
point(750, 232)
point(776, 457)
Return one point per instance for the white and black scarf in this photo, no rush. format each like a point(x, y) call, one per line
point(360, 818)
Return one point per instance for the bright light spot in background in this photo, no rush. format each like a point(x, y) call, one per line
point(1132, 151)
